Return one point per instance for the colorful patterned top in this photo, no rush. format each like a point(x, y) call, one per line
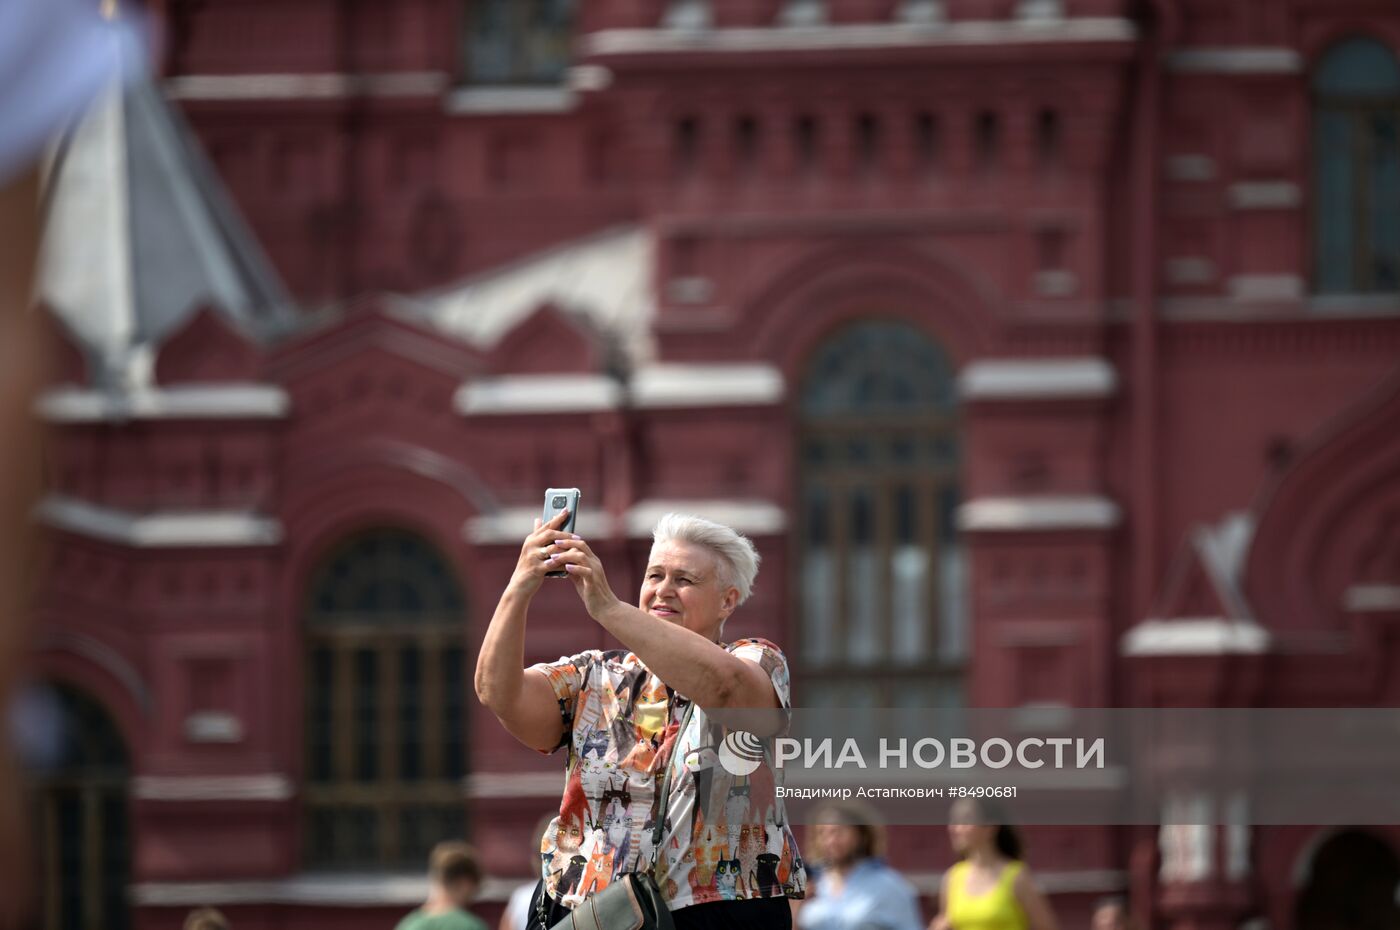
point(994, 909)
point(621, 725)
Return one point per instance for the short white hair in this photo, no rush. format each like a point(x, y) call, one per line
point(737, 556)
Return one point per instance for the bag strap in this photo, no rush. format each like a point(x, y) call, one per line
point(779, 811)
point(664, 801)
point(541, 909)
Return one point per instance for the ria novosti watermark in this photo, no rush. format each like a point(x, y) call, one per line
point(1080, 766)
point(932, 753)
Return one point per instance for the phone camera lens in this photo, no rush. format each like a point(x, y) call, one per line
point(559, 502)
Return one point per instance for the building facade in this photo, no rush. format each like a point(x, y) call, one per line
point(1046, 348)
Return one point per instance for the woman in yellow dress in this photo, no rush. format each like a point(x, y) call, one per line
point(989, 888)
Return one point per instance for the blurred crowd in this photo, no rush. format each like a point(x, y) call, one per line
point(989, 887)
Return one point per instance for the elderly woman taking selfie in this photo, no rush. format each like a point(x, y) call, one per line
point(726, 857)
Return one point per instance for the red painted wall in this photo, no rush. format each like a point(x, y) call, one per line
point(360, 192)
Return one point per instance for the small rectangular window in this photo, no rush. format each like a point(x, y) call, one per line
point(987, 135)
point(746, 144)
point(1047, 140)
point(926, 140)
point(517, 41)
point(685, 154)
point(867, 142)
point(1356, 169)
point(806, 142)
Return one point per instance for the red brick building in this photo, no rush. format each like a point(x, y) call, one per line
point(1047, 348)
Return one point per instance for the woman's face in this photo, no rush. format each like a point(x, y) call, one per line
point(682, 585)
point(965, 834)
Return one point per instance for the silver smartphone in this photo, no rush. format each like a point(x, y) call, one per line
point(555, 500)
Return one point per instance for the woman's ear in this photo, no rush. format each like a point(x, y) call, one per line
point(730, 602)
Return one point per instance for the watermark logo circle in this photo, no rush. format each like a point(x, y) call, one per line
point(741, 752)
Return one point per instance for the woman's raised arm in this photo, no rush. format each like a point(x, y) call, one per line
point(521, 699)
point(685, 660)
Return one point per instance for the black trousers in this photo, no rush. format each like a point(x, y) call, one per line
point(752, 914)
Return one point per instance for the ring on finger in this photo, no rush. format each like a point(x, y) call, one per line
point(544, 552)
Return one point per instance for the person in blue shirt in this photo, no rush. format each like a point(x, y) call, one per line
point(856, 889)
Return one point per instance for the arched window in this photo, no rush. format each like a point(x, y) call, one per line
point(882, 617)
point(80, 818)
point(385, 704)
point(518, 41)
point(1356, 169)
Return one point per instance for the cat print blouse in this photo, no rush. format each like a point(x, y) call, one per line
point(621, 726)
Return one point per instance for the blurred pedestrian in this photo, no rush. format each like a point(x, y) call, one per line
point(989, 888)
point(516, 916)
point(206, 918)
point(1110, 914)
point(856, 889)
point(455, 876)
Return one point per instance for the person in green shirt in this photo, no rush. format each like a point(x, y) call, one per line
point(455, 875)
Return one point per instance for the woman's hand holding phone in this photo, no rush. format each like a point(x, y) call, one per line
point(538, 551)
point(586, 570)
